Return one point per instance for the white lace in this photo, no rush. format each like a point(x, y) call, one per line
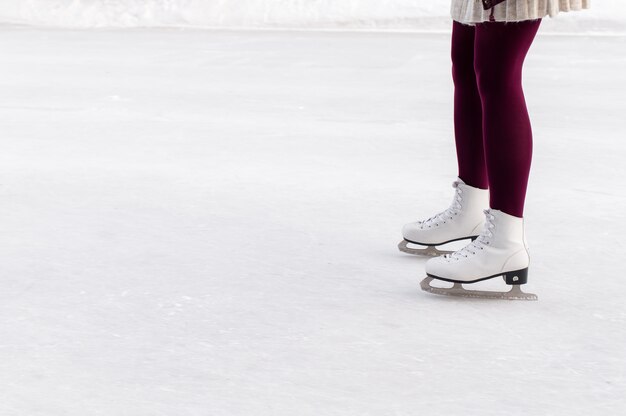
point(449, 213)
point(484, 239)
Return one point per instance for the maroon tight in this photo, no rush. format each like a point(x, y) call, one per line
point(494, 139)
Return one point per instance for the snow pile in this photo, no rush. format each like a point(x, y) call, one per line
point(606, 15)
point(223, 13)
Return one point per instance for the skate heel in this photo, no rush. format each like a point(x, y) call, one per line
point(517, 277)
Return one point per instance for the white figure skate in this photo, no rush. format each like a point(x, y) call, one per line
point(500, 250)
point(463, 220)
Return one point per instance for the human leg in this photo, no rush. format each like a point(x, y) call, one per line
point(500, 50)
point(468, 121)
point(464, 218)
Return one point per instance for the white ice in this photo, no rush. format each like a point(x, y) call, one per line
point(205, 223)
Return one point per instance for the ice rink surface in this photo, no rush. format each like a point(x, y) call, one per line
point(204, 223)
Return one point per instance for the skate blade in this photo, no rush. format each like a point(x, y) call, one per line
point(515, 293)
point(431, 251)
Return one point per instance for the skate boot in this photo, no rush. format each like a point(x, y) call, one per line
point(500, 250)
point(464, 219)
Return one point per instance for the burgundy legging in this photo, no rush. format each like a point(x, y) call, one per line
point(494, 139)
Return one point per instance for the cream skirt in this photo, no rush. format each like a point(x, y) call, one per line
point(471, 11)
